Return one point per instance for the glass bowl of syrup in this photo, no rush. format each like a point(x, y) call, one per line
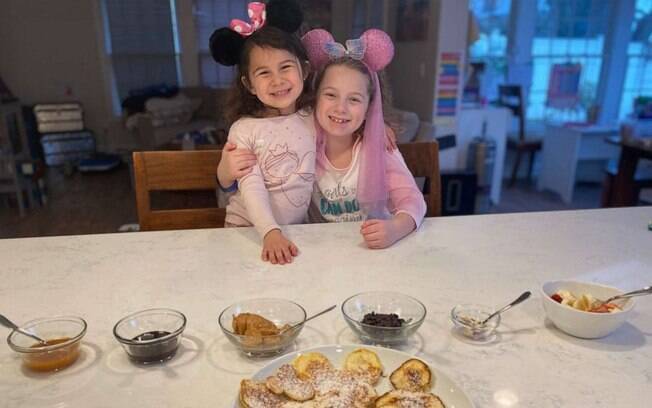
point(152, 335)
point(62, 335)
point(383, 317)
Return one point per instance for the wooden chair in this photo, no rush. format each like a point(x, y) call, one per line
point(642, 177)
point(422, 159)
point(176, 171)
point(511, 97)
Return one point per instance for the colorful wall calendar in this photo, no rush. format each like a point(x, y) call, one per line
point(448, 86)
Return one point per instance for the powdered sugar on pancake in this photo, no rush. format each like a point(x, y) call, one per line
point(337, 388)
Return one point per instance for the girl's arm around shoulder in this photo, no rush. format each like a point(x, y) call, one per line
point(404, 195)
point(237, 158)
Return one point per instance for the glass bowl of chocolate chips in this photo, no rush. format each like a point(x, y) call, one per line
point(383, 317)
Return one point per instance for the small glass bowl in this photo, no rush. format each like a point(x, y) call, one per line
point(63, 335)
point(406, 307)
point(279, 311)
point(152, 335)
point(467, 319)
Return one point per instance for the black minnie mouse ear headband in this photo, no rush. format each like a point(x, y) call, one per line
point(226, 43)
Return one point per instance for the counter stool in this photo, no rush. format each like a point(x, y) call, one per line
point(642, 179)
point(511, 97)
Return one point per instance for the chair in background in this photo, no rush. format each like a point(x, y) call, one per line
point(511, 97)
point(209, 114)
point(176, 171)
point(422, 159)
point(14, 153)
point(642, 177)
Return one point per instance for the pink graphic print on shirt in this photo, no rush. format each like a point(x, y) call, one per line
point(282, 165)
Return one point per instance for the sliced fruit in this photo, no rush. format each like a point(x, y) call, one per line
point(412, 375)
point(409, 399)
point(364, 362)
point(307, 363)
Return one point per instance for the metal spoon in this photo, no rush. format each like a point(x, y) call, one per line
point(518, 300)
point(11, 325)
point(310, 318)
point(640, 292)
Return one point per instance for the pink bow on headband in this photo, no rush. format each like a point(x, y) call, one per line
point(257, 15)
point(374, 48)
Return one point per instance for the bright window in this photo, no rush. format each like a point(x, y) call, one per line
point(209, 16)
point(142, 43)
point(567, 31)
point(638, 77)
point(492, 17)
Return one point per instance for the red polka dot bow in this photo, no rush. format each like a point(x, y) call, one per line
point(257, 15)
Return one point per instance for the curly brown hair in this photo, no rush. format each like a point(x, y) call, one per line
point(385, 92)
point(240, 101)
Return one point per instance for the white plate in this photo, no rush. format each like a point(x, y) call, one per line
point(450, 393)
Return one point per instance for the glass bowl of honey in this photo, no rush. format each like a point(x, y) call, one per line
point(62, 335)
point(150, 336)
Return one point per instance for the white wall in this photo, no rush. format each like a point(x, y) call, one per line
point(50, 51)
point(411, 73)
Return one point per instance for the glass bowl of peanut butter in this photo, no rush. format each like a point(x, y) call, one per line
point(262, 327)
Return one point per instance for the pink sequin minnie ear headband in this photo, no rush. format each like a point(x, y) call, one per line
point(374, 48)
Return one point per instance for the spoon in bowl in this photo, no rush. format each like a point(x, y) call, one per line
point(518, 300)
point(11, 325)
point(310, 318)
point(640, 292)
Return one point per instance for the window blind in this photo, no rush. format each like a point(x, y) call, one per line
point(141, 43)
point(209, 16)
point(567, 32)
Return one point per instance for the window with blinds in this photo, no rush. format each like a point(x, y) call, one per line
point(209, 16)
point(142, 43)
point(567, 32)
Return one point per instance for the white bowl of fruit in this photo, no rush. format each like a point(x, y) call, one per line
point(578, 308)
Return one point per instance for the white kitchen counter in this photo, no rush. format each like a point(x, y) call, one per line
point(487, 259)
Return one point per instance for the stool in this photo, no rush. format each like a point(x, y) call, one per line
point(642, 179)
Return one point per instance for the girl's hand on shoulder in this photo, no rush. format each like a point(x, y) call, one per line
point(277, 249)
point(235, 164)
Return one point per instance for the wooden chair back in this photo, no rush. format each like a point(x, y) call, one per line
point(422, 159)
point(176, 171)
point(511, 97)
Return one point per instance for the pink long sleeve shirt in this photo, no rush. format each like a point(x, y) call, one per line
point(334, 197)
